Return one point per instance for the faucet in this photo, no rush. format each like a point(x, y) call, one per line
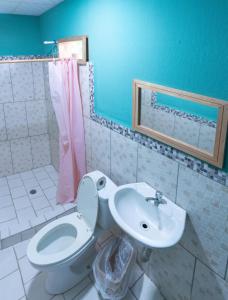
point(157, 200)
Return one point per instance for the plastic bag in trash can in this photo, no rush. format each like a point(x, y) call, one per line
point(112, 268)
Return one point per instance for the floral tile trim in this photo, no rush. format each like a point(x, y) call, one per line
point(193, 163)
point(22, 57)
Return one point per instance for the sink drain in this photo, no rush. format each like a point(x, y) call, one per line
point(144, 225)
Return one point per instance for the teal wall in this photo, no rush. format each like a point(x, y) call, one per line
point(181, 44)
point(20, 35)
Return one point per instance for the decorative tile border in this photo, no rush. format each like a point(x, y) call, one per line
point(193, 163)
point(22, 57)
point(180, 113)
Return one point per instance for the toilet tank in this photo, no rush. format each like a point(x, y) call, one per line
point(105, 219)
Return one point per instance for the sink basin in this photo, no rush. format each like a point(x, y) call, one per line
point(154, 226)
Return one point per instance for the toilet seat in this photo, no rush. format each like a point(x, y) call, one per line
point(67, 237)
point(54, 252)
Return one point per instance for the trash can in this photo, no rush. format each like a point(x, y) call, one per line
point(112, 268)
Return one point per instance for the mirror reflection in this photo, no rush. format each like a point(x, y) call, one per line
point(190, 122)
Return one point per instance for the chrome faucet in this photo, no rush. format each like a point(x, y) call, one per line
point(157, 200)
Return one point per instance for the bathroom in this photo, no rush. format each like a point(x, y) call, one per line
point(129, 54)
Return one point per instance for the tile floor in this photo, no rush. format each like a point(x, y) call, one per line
point(21, 209)
point(20, 281)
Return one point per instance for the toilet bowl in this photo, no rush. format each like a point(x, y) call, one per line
point(65, 248)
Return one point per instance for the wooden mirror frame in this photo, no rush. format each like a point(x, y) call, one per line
point(84, 39)
point(217, 157)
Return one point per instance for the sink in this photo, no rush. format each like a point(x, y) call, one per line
point(154, 226)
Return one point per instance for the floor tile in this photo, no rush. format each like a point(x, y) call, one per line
point(39, 193)
point(7, 213)
point(20, 249)
point(22, 202)
point(4, 190)
point(76, 290)
point(39, 203)
point(26, 214)
point(27, 175)
point(8, 262)
point(43, 211)
point(35, 289)
point(50, 193)
point(46, 183)
point(3, 182)
point(145, 289)
point(18, 192)
point(5, 201)
point(14, 183)
point(30, 183)
point(11, 287)
point(27, 270)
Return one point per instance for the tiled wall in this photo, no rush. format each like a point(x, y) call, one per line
point(24, 141)
point(196, 268)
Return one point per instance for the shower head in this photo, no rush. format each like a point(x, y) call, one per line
point(50, 42)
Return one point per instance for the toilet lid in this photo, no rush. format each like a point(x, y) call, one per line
point(87, 201)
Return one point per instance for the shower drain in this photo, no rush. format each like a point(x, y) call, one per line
point(144, 225)
point(32, 192)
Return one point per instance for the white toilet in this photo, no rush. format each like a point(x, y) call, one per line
point(65, 248)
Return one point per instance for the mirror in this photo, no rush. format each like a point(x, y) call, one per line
point(190, 122)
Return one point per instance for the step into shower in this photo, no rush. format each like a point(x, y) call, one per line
point(27, 203)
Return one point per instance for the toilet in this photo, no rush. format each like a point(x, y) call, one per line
point(65, 248)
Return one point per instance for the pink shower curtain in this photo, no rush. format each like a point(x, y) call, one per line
point(66, 99)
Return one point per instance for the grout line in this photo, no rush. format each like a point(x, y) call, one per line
point(199, 259)
point(226, 271)
point(19, 271)
point(193, 277)
point(177, 185)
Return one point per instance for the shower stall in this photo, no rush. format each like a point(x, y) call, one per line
point(29, 149)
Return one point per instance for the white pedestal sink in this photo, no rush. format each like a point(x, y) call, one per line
point(154, 226)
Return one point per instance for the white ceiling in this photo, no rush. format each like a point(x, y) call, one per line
point(27, 7)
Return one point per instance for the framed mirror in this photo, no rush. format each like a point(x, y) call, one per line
point(190, 122)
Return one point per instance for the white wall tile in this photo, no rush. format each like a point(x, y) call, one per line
point(3, 135)
point(206, 203)
point(21, 154)
point(123, 159)
point(22, 81)
point(158, 171)
point(11, 287)
point(84, 87)
point(16, 120)
point(171, 269)
point(6, 93)
point(38, 79)
point(207, 285)
point(100, 148)
point(88, 141)
point(6, 166)
point(40, 150)
point(37, 117)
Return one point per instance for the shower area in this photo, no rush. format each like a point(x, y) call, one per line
point(29, 150)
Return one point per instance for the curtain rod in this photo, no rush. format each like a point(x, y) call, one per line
point(80, 62)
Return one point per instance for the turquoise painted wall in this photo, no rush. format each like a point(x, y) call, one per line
point(181, 44)
point(20, 35)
